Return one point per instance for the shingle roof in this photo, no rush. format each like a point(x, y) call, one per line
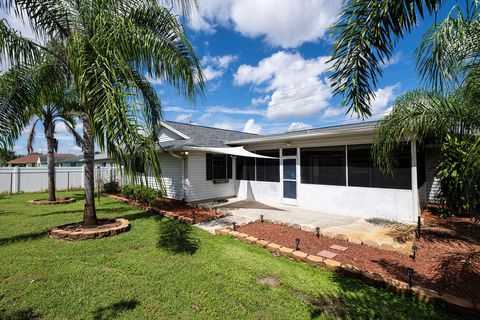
point(58, 157)
point(78, 158)
point(31, 158)
point(201, 136)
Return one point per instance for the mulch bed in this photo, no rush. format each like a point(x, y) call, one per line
point(177, 209)
point(446, 264)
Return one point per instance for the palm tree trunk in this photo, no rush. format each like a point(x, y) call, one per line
point(51, 163)
point(89, 214)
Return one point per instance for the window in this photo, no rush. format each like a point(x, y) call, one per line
point(324, 165)
point(218, 166)
point(73, 164)
point(245, 168)
point(363, 173)
point(289, 152)
point(268, 169)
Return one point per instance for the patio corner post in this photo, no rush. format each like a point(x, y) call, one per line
point(415, 198)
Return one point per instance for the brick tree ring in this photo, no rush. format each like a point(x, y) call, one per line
point(58, 201)
point(75, 231)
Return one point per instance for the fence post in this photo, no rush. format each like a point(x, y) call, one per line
point(68, 180)
point(83, 176)
point(16, 180)
point(11, 182)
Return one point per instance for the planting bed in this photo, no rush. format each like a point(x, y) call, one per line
point(445, 264)
point(58, 201)
point(75, 231)
point(175, 209)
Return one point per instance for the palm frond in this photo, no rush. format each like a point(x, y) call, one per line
point(31, 137)
point(366, 34)
point(15, 49)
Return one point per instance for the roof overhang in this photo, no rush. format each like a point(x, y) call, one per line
point(233, 151)
point(292, 136)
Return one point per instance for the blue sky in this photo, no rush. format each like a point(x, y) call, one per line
point(266, 70)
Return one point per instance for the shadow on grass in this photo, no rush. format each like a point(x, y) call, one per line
point(115, 309)
point(177, 237)
point(22, 238)
point(98, 210)
point(26, 314)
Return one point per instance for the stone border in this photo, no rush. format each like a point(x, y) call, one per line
point(48, 202)
point(167, 214)
point(374, 279)
point(60, 233)
point(338, 236)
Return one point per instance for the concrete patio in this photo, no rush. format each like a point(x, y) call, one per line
point(377, 230)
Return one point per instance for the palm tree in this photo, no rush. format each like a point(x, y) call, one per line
point(368, 30)
point(48, 105)
point(108, 47)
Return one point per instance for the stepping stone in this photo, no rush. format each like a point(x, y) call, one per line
point(339, 248)
point(327, 254)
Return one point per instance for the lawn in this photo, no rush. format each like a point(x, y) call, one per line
point(129, 277)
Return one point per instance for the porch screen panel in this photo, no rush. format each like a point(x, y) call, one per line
point(362, 171)
point(325, 165)
point(245, 168)
point(268, 169)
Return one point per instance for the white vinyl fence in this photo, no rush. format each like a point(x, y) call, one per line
point(24, 179)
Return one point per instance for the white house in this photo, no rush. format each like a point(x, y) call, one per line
point(326, 169)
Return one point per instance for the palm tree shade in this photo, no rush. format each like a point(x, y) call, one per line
point(108, 47)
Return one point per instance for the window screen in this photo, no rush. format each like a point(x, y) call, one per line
point(324, 165)
point(289, 152)
point(268, 169)
point(218, 166)
point(363, 173)
point(245, 168)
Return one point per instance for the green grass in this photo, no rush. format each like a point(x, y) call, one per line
point(129, 277)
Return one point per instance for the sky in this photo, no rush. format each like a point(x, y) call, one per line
point(266, 69)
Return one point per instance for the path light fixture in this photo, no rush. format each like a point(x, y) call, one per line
point(234, 226)
point(414, 251)
point(297, 244)
point(419, 224)
point(410, 276)
point(194, 216)
point(317, 230)
point(261, 218)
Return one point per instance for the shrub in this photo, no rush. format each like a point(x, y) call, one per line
point(141, 193)
point(111, 187)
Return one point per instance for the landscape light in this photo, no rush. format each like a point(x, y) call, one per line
point(419, 224)
point(414, 250)
point(317, 229)
point(297, 244)
point(194, 216)
point(261, 218)
point(410, 276)
point(234, 226)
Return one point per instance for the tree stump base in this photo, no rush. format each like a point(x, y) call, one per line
point(75, 231)
point(48, 202)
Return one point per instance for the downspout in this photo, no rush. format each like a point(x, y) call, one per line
point(184, 196)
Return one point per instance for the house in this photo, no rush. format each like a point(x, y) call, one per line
point(326, 169)
point(38, 160)
point(70, 162)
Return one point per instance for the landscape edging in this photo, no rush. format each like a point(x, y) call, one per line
point(391, 284)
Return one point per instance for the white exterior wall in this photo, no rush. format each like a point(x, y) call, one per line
point(259, 190)
point(171, 176)
point(197, 185)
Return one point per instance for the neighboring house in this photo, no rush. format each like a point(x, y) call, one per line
point(326, 169)
point(69, 162)
point(38, 160)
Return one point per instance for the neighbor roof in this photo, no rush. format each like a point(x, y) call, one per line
point(310, 133)
point(58, 157)
point(31, 158)
point(201, 136)
point(78, 158)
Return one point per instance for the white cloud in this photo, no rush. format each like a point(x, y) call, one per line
point(296, 126)
point(216, 66)
point(260, 100)
point(219, 109)
point(333, 112)
point(179, 109)
point(383, 98)
point(282, 23)
point(184, 117)
point(252, 127)
point(295, 84)
point(396, 58)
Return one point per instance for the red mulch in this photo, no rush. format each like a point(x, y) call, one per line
point(443, 262)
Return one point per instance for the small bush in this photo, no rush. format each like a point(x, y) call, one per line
point(141, 193)
point(111, 187)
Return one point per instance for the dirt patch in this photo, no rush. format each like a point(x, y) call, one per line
point(447, 265)
point(47, 202)
point(272, 282)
